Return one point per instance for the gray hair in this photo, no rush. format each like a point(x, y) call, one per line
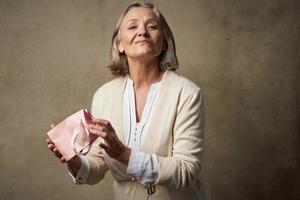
point(167, 58)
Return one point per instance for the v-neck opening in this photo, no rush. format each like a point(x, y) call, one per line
point(149, 100)
point(135, 134)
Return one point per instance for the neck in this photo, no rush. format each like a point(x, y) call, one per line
point(144, 73)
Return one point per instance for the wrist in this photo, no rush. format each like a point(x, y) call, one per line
point(74, 164)
point(124, 157)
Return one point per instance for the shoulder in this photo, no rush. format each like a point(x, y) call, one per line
point(189, 94)
point(103, 97)
point(183, 85)
point(109, 87)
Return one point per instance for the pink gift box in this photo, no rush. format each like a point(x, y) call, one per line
point(71, 136)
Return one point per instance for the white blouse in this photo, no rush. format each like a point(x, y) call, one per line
point(142, 166)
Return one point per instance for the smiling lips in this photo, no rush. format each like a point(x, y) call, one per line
point(142, 41)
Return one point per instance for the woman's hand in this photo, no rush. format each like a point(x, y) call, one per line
point(112, 145)
point(74, 164)
point(54, 149)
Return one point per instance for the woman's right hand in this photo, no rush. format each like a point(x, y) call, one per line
point(74, 164)
point(54, 149)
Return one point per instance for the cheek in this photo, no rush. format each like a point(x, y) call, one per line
point(158, 37)
point(159, 42)
point(127, 44)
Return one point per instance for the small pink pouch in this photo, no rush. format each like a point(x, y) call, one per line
point(71, 136)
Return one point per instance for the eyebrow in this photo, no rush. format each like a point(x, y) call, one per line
point(150, 19)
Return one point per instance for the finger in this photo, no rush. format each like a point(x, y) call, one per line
point(104, 146)
point(102, 122)
point(102, 134)
point(51, 146)
point(58, 155)
point(108, 128)
point(57, 152)
point(49, 141)
point(96, 127)
point(52, 125)
point(63, 160)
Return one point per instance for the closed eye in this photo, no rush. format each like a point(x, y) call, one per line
point(152, 27)
point(131, 27)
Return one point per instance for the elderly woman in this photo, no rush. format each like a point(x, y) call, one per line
point(150, 120)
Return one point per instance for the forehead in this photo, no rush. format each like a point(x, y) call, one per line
point(140, 13)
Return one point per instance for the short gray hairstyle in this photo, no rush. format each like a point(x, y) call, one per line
point(167, 58)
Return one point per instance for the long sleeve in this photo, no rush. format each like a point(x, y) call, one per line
point(83, 172)
point(95, 158)
point(143, 167)
point(93, 166)
point(182, 169)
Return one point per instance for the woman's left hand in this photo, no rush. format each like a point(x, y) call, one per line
point(112, 145)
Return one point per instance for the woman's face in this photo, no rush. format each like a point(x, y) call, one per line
point(140, 35)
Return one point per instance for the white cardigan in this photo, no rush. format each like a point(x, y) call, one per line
point(144, 167)
point(175, 135)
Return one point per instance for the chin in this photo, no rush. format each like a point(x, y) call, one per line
point(144, 53)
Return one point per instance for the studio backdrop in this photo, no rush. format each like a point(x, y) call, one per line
point(243, 54)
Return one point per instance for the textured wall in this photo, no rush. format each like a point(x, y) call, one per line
point(244, 54)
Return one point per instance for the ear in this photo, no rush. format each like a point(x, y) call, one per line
point(120, 47)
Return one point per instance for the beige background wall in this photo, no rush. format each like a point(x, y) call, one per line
point(244, 54)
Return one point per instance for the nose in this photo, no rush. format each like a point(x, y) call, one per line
point(142, 31)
